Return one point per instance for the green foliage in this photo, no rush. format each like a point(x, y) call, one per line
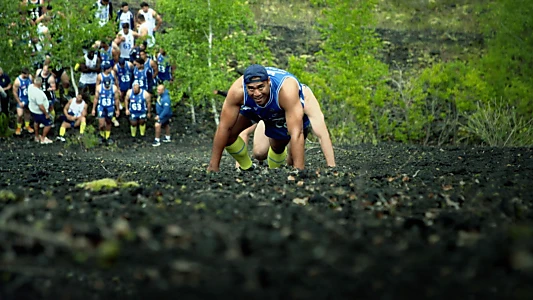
point(347, 77)
point(5, 131)
point(498, 124)
point(69, 31)
point(205, 39)
point(507, 65)
point(87, 141)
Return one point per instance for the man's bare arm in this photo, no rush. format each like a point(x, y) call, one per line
point(228, 118)
point(318, 124)
point(16, 86)
point(289, 100)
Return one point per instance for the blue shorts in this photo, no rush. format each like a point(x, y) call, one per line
point(41, 119)
point(107, 112)
point(25, 101)
point(137, 116)
point(164, 121)
point(273, 130)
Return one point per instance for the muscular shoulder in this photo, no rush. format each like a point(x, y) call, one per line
point(236, 92)
point(289, 91)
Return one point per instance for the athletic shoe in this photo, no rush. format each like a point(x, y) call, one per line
point(18, 131)
point(61, 139)
point(29, 129)
point(46, 141)
point(37, 139)
point(166, 140)
point(110, 142)
point(249, 169)
point(101, 140)
point(116, 123)
point(156, 143)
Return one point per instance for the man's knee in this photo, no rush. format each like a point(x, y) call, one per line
point(157, 125)
point(259, 154)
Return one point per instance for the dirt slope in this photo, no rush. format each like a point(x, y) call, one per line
point(391, 221)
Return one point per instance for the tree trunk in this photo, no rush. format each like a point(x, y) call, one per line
point(210, 39)
point(73, 81)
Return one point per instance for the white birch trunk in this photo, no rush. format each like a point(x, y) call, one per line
point(73, 81)
point(210, 39)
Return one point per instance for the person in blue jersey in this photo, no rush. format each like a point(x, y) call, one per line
point(138, 107)
point(317, 125)
point(164, 67)
point(151, 68)
point(141, 75)
point(269, 94)
point(107, 72)
point(20, 93)
point(163, 111)
point(124, 74)
point(107, 51)
point(106, 97)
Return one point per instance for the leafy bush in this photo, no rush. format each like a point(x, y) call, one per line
point(346, 76)
point(498, 124)
point(88, 140)
point(5, 131)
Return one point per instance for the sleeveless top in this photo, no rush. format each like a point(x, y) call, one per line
point(89, 78)
point(271, 113)
point(163, 68)
point(149, 17)
point(75, 109)
point(127, 45)
point(46, 85)
point(107, 97)
point(23, 88)
point(137, 102)
point(124, 77)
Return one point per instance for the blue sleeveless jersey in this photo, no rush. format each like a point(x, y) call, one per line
point(104, 76)
point(271, 113)
point(164, 72)
point(23, 88)
point(141, 77)
point(137, 103)
point(107, 97)
point(125, 77)
point(107, 55)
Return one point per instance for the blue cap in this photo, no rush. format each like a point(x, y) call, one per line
point(106, 65)
point(107, 82)
point(121, 61)
point(255, 71)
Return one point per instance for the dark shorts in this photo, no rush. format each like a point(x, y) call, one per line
point(41, 119)
point(164, 121)
point(90, 86)
point(107, 112)
point(273, 130)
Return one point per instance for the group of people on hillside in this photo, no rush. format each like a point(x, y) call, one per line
point(117, 74)
point(120, 75)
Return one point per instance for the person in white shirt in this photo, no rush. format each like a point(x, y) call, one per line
point(104, 12)
point(39, 110)
point(150, 15)
point(125, 16)
point(125, 41)
point(145, 31)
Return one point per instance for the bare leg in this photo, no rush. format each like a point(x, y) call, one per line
point(158, 130)
point(261, 142)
